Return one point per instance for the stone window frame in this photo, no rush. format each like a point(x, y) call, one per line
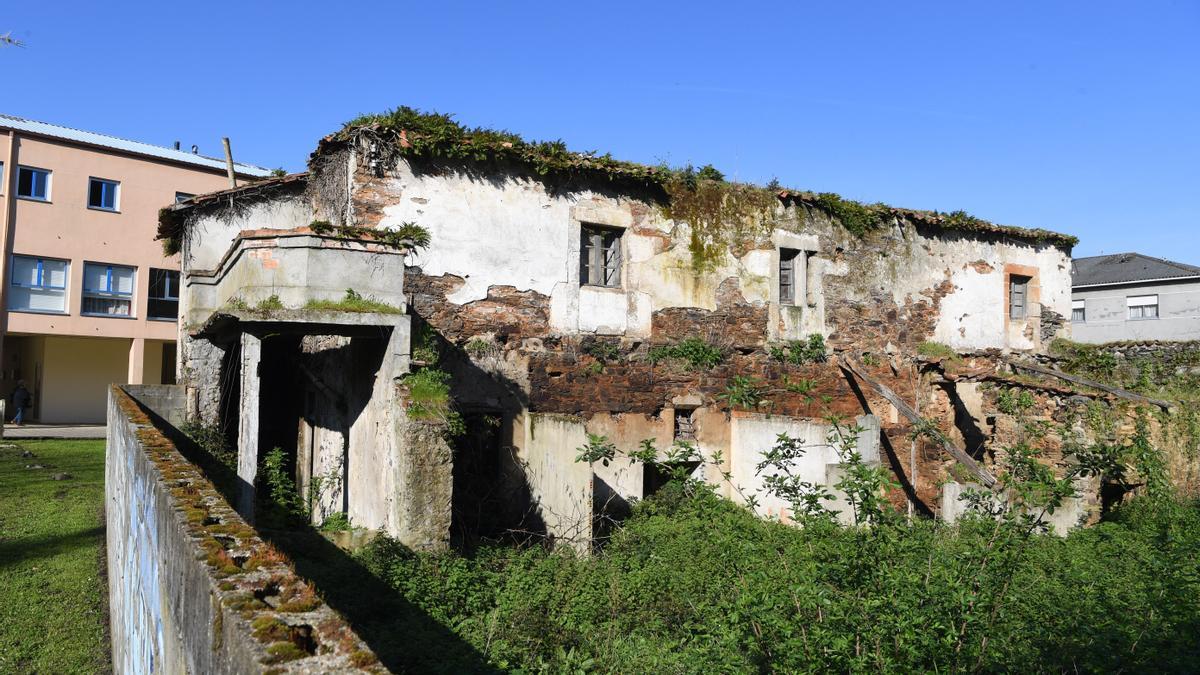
point(594, 255)
point(1033, 291)
point(787, 278)
point(1018, 296)
point(609, 216)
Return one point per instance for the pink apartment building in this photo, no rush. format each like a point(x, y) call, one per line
point(87, 297)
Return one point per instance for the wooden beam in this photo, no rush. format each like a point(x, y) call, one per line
point(956, 452)
point(1120, 393)
point(229, 163)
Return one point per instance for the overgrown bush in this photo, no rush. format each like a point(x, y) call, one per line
point(697, 353)
point(212, 440)
point(799, 352)
point(429, 400)
point(693, 583)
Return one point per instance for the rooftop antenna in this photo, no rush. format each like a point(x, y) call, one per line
point(229, 163)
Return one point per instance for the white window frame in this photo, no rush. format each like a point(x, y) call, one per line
point(108, 294)
point(1081, 307)
point(116, 186)
point(40, 285)
point(1137, 307)
point(49, 183)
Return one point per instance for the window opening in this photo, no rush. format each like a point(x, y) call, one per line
point(1078, 311)
point(33, 183)
point(685, 425)
point(600, 256)
point(787, 275)
point(164, 294)
point(102, 194)
point(1018, 297)
point(1142, 307)
point(38, 284)
point(108, 289)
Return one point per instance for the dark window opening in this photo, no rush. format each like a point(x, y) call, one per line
point(33, 183)
point(102, 194)
point(600, 256)
point(655, 476)
point(787, 275)
point(1018, 297)
point(164, 294)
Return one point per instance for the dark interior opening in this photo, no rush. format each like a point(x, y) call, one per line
point(281, 398)
point(478, 509)
point(655, 476)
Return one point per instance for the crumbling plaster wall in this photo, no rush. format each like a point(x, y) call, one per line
point(560, 487)
point(211, 232)
point(295, 269)
point(509, 231)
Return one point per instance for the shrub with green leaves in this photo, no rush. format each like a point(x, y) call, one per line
point(694, 352)
point(694, 583)
point(799, 352)
point(743, 392)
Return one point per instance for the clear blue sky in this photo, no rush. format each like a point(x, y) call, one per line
point(1080, 117)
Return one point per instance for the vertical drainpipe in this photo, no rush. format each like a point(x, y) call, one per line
point(7, 212)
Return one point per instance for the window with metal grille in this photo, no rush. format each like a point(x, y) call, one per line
point(1018, 297)
point(1142, 307)
point(787, 275)
point(164, 294)
point(108, 289)
point(600, 256)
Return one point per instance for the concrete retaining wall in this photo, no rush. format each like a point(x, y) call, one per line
point(192, 588)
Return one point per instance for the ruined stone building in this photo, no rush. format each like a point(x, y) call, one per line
point(559, 295)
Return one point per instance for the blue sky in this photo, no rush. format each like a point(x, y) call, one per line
point(1082, 117)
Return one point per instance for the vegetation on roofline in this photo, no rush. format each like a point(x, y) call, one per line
point(407, 235)
point(725, 213)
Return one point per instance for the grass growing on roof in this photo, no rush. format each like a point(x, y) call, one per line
point(353, 302)
point(725, 213)
point(937, 350)
point(52, 599)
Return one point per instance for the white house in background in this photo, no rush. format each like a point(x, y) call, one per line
point(1130, 296)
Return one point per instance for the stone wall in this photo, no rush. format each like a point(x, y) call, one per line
point(192, 588)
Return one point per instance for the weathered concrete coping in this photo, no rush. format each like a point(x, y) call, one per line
point(297, 238)
point(193, 588)
point(299, 321)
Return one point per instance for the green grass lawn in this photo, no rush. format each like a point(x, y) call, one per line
point(52, 598)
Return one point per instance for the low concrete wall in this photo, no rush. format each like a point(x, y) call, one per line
point(192, 588)
point(168, 401)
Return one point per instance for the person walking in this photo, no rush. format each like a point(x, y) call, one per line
point(21, 400)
